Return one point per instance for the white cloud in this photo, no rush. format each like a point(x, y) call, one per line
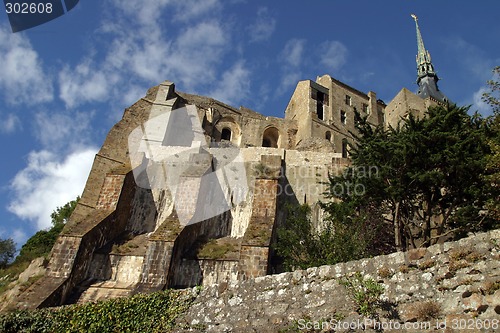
point(190, 57)
point(234, 85)
point(133, 93)
point(192, 9)
point(476, 69)
point(84, 84)
point(9, 123)
point(264, 26)
point(292, 57)
point(146, 12)
point(333, 55)
point(478, 103)
point(198, 50)
point(471, 58)
point(47, 183)
point(18, 235)
point(63, 132)
point(293, 52)
point(144, 48)
point(289, 80)
point(22, 78)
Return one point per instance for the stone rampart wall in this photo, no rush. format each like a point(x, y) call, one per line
point(456, 282)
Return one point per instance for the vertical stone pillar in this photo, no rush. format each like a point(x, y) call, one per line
point(254, 258)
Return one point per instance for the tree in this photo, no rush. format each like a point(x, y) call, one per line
point(7, 251)
point(429, 181)
point(62, 214)
point(41, 243)
point(492, 97)
point(301, 245)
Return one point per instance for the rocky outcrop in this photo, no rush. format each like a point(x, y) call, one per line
point(453, 285)
point(35, 270)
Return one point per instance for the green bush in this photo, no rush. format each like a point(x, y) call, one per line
point(154, 312)
point(364, 292)
point(301, 245)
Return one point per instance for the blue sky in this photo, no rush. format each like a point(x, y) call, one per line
point(65, 83)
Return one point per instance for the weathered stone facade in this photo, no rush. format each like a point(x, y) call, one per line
point(124, 238)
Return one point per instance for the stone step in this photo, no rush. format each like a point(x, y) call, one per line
point(102, 292)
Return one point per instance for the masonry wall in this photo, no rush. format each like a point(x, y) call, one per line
point(338, 93)
point(305, 172)
point(113, 208)
point(458, 279)
point(300, 108)
point(330, 125)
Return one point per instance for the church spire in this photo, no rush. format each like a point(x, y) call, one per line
point(426, 76)
point(424, 63)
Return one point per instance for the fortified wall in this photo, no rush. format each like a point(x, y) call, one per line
point(188, 191)
point(450, 287)
point(128, 235)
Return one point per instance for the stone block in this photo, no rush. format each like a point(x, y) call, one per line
point(415, 254)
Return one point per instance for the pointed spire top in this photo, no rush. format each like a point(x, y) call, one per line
point(426, 76)
point(420, 42)
point(424, 63)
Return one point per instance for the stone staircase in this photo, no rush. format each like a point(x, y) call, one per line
point(112, 276)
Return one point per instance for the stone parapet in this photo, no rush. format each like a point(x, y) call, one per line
point(459, 280)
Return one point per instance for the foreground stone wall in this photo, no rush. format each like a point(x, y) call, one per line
point(457, 282)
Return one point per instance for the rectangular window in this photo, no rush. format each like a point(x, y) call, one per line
point(348, 100)
point(343, 117)
point(321, 101)
point(319, 104)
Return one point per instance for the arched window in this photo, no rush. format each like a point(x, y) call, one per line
point(328, 135)
point(225, 134)
point(271, 137)
point(228, 130)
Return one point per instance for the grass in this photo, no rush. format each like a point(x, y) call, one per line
point(213, 250)
point(426, 311)
point(426, 264)
point(11, 274)
point(404, 269)
point(385, 272)
point(489, 287)
point(31, 280)
point(455, 265)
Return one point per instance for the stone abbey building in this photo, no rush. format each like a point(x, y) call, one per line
point(144, 224)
